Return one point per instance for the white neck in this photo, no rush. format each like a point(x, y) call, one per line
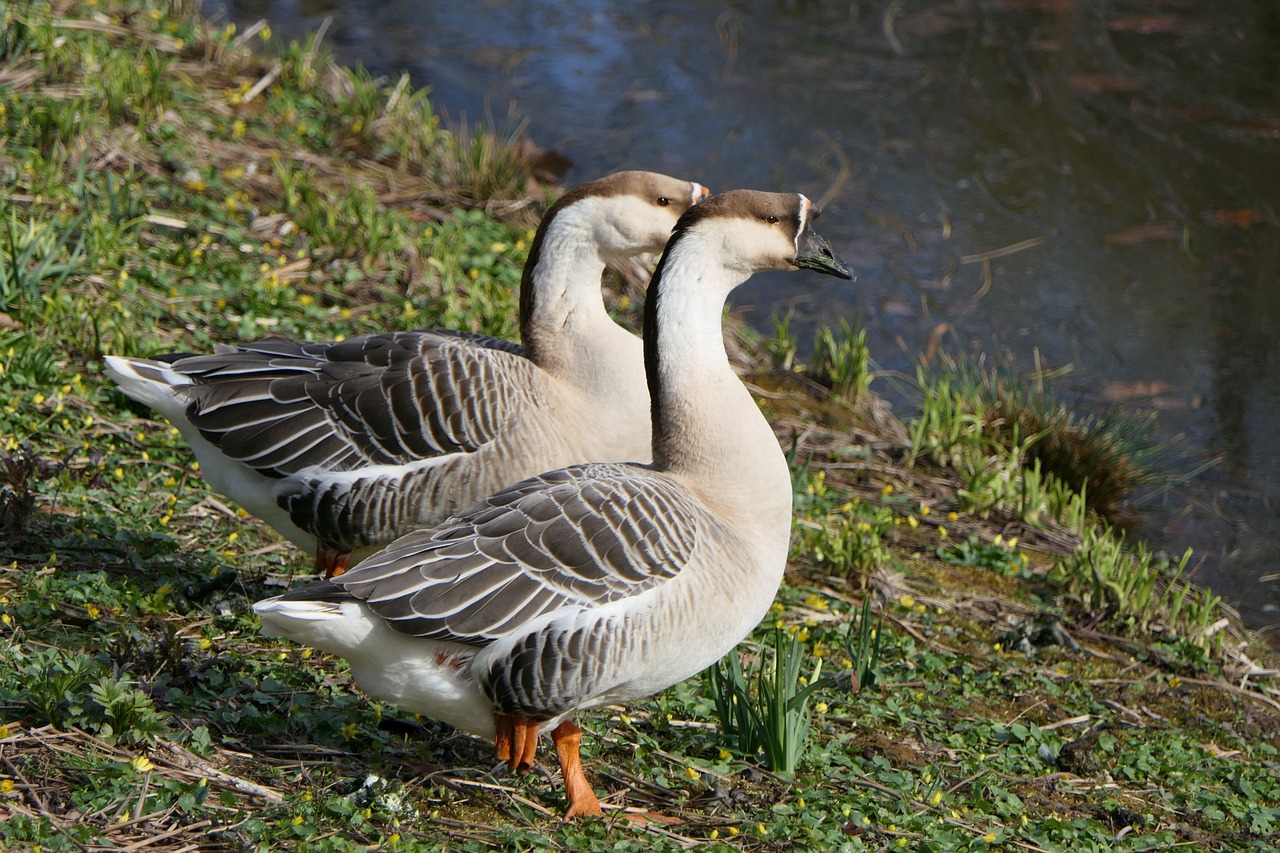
point(567, 329)
point(706, 426)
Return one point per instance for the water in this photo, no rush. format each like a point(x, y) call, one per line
point(1123, 154)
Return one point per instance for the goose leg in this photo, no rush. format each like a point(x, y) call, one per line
point(331, 562)
point(504, 731)
point(582, 799)
point(524, 747)
point(515, 741)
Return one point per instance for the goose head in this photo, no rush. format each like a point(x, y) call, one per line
point(748, 231)
point(727, 238)
point(629, 212)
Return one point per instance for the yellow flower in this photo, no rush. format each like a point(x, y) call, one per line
point(952, 516)
point(265, 33)
point(691, 772)
point(713, 834)
point(821, 707)
point(297, 820)
point(725, 755)
point(761, 829)
point(4, 730)
point(349, 731)
point(38, 399)
point(817, 602)
point(6, 786)
point(393, 838)
point(733, 830)
point(936, 798)
point(989, 837)
point(142, 764)
point(913, 522)
point(204, 644)
point(93, 611)
point(908, 601)
point(887, 489)
point(942, 532)
point(238, 128)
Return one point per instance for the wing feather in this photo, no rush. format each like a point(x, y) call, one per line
point(388, 399)
point(573, 540)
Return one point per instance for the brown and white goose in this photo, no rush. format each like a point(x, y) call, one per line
point(603, 582)
point(342, 447)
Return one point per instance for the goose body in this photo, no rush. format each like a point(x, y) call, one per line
point(601, 582)
point(344, 446)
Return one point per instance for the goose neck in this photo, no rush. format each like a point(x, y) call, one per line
point(705, 423)
point(560, 300)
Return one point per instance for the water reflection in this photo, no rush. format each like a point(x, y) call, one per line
point(1127, 149)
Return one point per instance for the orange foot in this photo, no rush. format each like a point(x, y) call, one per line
point(331, 562)
point(582, 799)
point(515, 741)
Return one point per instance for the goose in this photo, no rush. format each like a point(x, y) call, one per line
point(601, 582)
point(342, 447)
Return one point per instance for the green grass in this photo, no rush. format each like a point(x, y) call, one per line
point(167, 184)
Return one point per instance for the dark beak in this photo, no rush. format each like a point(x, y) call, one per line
point(816, 254)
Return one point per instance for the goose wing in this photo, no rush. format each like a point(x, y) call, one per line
point(280, 406)
point(575, 539)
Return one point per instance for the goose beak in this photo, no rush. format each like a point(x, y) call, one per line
point(816, 254)
point(699, 192)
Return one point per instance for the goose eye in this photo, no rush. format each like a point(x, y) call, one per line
point(772, 220)
point(663, 201)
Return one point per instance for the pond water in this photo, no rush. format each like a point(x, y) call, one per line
point(1069, 182)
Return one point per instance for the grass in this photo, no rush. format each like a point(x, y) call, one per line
point(990, 670)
